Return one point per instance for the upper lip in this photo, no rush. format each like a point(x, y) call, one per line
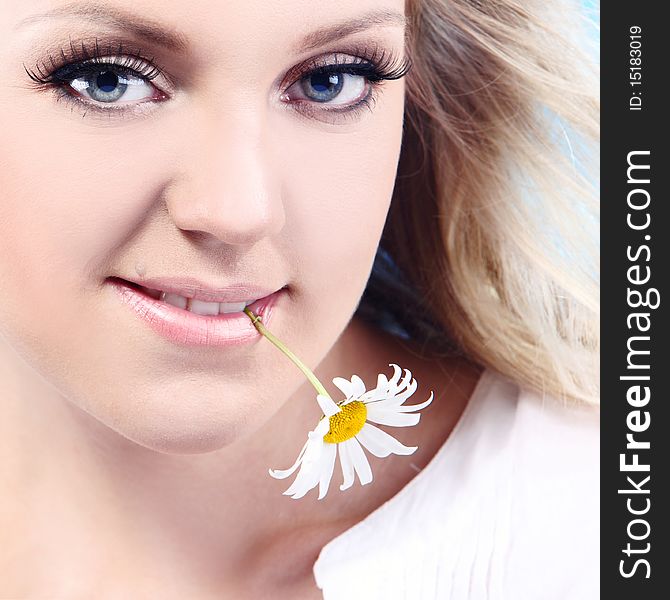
point(192, 287)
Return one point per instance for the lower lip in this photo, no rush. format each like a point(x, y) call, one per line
point(190, 329)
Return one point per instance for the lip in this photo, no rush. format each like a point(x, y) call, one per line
point(185, 328)
point(191, 287)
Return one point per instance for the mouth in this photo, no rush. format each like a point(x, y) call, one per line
point(199, 307)
point(192, 321)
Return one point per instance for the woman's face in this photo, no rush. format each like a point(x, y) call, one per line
point(207, 150)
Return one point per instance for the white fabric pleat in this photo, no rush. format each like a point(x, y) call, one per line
point(506, 510)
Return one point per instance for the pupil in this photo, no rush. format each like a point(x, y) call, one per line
point(107, 82)
point(324, 81)
point(323, 87)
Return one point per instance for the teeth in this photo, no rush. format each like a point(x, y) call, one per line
point(174, 299)
point(231, 307)
point(203, 308)
point(198, 306)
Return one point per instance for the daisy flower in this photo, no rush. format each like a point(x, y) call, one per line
point(347, 427)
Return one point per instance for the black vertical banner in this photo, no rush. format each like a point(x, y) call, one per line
point(635, 167)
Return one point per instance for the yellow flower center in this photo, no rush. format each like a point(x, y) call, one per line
point(346, 423)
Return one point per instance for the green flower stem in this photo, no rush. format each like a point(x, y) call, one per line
point(256, 320)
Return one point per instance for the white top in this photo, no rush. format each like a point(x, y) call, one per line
point(507, 509)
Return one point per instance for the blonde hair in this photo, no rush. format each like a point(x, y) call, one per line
point(494, 211)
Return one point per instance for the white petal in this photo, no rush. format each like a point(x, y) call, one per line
point(346, 464)
point(393, 382)
point(307, 479)
point(399, 398)
point(309, 474)
point(376, 395)
point(277, 474)
point(382, 382)
point(360, 461)
point(327, 405)
point(381, 443)
point(373, 446)
point(391, 417)
point(344, 385)
point(358, 387)
point(303, 484)
point(413, 407)
point(326, 468)
point(320, 430)
point(392, 404)
point(404, 383)
point(381, 391)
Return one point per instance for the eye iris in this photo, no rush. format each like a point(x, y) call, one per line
point(106, 86)
point(323, 86)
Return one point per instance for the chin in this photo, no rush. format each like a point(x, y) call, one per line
point(170, 440)
point(180, 429)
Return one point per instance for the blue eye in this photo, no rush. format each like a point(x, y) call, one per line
point(332, 87)
point(106, 85)
point(102, 79)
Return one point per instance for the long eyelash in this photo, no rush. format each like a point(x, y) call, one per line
point(391, 68)
point(373, 63)
point(78, 61)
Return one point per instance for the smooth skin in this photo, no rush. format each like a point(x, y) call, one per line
point(131, 465)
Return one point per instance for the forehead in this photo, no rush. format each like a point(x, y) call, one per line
point(176, 24)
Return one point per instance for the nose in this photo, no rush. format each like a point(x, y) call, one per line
point(228, 190)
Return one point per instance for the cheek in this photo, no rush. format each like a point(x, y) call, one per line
point(339, 195)
point(67, 201)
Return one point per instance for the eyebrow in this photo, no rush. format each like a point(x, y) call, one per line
point(116, 17)
point(176, 41)
point(331, 33)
